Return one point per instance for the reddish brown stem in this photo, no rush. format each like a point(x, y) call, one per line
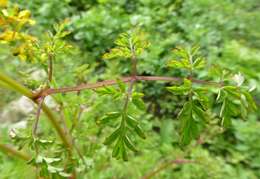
point(50, 91)
point(38, 113)
point(84, 86)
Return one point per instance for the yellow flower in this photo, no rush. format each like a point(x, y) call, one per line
point(24, 51)
point(2, 21)
point(24, 16)
point(3, 3)
point(8, 36)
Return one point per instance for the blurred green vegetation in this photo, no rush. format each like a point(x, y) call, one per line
point(228, 33)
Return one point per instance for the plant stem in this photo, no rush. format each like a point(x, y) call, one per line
point(127, 97)
point(38, 113)
point(15, 86)
point(133, 72)
point(131, 85)
point(52, 118)
point(128, 79)
point(14, 153)
point(133, 79)
point(133, 58)
point(4, 85)
point(50, 67)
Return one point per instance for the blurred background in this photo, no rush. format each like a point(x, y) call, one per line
point(227, 32)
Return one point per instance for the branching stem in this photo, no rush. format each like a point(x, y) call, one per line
point(50, 91)
point(38, 113)
point(15, 86)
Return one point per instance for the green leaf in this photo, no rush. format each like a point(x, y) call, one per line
point(232, 108)
point(131, 121)
point(176, 64)
point(202, 97)
point(195, 49)
point(226, 122)
point(181, 90)
point(138, 102)
point(113, 115)
point(232, 91)
point(199, 63)
point(189, 128)
point(116, 149)
point(199, 113)
point(186, 110)
point(251, 103)
point(243, 107)
point(228, 109)
point(185, 59)
point(109, 140)
point(108, 117)
point(181, 52)
point(117, 52)
point(216, 70)
point(106, 91)
point(223, 109)
point(139, 132)
point(44, 142)
point(221, 95)
point(178, 90)
point(126, 42)
point(121, 85)
point(124, 153)
point(129, 144)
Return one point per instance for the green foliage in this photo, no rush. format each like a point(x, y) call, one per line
point(188, 60)
point(181, 90)
point(127, 124)
point(126, 44)
point(170, 122)
point(235, 101)
point(138, 101)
